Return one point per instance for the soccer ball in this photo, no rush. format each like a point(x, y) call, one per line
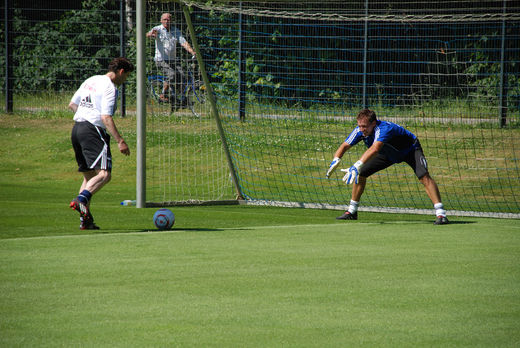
point(163, 219)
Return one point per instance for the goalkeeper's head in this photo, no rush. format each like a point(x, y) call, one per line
point(370, 115)
point(366, 120)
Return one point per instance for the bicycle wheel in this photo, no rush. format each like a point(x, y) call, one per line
point(196, 97)
point(155, 88)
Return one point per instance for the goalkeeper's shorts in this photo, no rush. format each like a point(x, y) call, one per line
point(415, 159)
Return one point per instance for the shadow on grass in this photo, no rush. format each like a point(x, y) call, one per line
point(427, 222)
point(461, 222)
point(454, 222)
point(113, 230)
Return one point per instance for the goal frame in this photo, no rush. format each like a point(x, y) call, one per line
point(141, 116)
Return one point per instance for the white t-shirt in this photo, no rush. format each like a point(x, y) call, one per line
point(166, 43)
point(95, 97)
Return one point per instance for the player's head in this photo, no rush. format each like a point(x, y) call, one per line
point(120, 69)
point(367, 113)
point(120, 63)
point(366, 120)
point(166, 20)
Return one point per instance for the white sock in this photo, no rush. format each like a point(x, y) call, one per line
point(439, 210)
point(352, 208)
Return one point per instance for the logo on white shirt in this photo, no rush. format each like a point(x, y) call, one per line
point(87, 102)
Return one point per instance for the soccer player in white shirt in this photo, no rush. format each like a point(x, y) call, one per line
point(166, 38)
point(94, 104)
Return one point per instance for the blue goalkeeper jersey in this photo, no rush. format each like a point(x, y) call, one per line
point(397, 141)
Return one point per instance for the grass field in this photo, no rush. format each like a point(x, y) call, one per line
point(232, 276)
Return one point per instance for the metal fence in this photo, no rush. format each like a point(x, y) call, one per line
point(50, 47)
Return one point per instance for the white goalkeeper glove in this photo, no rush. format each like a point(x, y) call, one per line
point(333, 165)
point(352, 173)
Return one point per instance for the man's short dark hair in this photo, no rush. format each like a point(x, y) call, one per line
point(369, 114)
point(120, 63)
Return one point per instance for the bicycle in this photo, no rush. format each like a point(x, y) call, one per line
point(193, 95)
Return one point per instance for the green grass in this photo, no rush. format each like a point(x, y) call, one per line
point(380, 283)
point(231, 276)
point(476, 165)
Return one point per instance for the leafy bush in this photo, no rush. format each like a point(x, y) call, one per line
point(56, 55)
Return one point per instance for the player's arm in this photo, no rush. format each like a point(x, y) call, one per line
point(152, 33)
point(352, 173)
point(76, 99)
point(371, 151)
point(188, 48)
point(344, 147)
point(109, 123)
point(73, 107)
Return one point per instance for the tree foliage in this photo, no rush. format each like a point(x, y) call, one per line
point(54, 55)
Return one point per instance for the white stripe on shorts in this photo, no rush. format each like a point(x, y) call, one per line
point(103, 156)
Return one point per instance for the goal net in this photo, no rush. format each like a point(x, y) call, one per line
point(185, 157)
point(290, 77)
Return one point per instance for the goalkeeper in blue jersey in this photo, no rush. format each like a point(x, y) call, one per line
point(387, 143)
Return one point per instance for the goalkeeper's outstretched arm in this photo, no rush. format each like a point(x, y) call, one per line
point(344, 147)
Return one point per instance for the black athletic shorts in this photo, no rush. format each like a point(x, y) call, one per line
point(92, 147)
point(414, 158)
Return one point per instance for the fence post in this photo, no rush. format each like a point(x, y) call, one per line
point(502, 103)
point(241, 68)
point(122, 40)
point(9, 79)
point(365, 57)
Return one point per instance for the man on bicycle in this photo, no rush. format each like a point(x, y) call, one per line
point(166, 38)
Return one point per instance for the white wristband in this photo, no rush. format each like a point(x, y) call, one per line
point(358, 165)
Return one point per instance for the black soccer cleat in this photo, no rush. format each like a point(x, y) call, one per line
point(81, 208)
point(347, 216)
point(88, 224)
point(441, 220)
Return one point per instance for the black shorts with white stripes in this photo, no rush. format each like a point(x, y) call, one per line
point(91, 146)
